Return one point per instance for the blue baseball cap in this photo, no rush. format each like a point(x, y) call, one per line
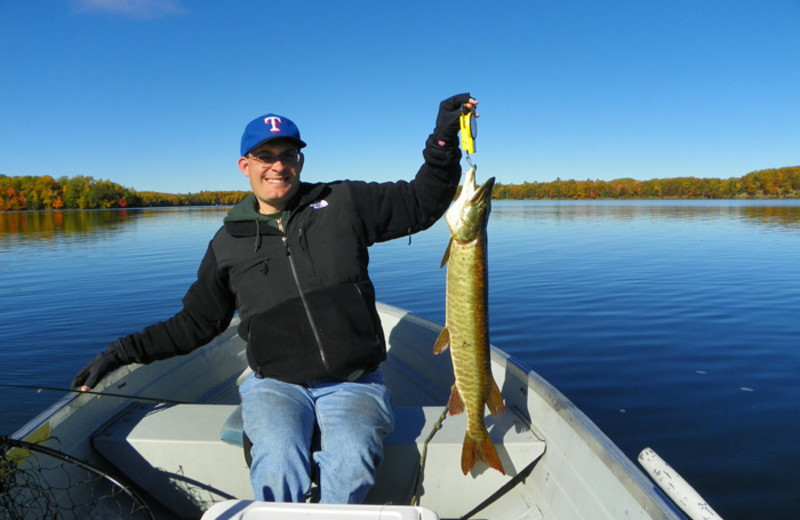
point(268, 127)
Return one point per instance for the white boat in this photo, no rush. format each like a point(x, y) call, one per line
point(183, 458)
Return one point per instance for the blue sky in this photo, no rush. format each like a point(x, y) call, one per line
point(154, 94)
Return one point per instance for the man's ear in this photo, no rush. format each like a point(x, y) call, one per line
point(243, 166)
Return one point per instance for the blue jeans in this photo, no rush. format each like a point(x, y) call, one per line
point(332, 426)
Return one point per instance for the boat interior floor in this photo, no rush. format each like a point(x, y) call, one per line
point(189, 456)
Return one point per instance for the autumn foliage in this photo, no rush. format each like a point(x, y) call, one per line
point(772, 183)
point(45, 192)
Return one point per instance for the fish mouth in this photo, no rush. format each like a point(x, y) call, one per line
point(474, 193)
point(470, 210)
point(483, 192)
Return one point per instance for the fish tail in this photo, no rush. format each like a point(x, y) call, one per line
point(479, 449)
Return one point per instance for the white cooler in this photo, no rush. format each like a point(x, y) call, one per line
point(253, 510)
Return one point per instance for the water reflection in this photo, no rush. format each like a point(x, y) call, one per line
point(51, 225)
point(783, 215)
point(83, 225)
point(94, 225)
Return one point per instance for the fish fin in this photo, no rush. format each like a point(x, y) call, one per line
point(446, 256)
point(442, 342)
point(482, 449)
point(494, 399)
point(455, 405)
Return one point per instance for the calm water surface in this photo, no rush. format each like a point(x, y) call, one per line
point(673, 325)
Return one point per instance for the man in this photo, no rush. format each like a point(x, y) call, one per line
point(292, 259)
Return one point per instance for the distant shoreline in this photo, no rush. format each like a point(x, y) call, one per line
point(46, 193)
point(777, 183)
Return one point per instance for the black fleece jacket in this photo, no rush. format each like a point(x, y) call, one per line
point(303, 293)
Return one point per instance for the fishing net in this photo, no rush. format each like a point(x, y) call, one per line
point(43, 482)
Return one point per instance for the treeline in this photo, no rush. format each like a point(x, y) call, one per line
point(45, 192)
point(772, 183)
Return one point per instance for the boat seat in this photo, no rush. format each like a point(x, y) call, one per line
point(517, 446)
point(189, 456)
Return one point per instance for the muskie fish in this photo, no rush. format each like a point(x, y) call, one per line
point(466, 329)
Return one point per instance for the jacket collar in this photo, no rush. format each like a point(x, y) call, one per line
point(245, 220)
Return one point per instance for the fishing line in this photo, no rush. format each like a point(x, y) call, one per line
point(92, 392)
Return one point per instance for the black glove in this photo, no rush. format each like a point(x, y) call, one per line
point(110, 359)
point(447, 120)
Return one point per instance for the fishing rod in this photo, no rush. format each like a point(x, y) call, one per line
point(40, 388)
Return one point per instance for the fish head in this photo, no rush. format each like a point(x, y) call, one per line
point(469, 213)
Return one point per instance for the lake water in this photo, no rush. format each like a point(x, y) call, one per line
point(674, 325)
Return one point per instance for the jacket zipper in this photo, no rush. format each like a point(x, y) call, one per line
point(306, 307)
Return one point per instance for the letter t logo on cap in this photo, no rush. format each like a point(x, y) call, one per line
point(273, 121)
